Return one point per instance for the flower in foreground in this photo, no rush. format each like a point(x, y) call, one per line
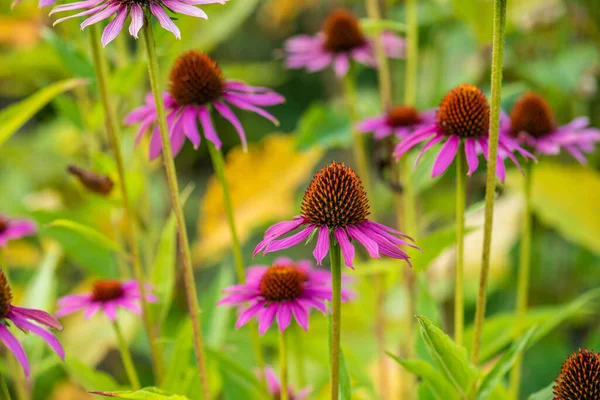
point(274, 387)
point(27, 320)
point(335, 207)
point(103, 9)
point(11, 229)
point(579, 378)
point(533, 124)
point(340, 41)
point(197, 86)
point(283, 290)
point(400, 120)
point(106, 295)
point(463, 116)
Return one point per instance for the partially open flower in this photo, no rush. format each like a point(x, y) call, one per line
point(107, 296)
point(463, 115)
point(11, 229)
point(340, 41)
point(579, 378)
point(27, 320)
point(533, 124)
point(401, 121)
point(335, 205)
point(103, 9)
point(97, 183)
point(197, 86)
point(274, 387)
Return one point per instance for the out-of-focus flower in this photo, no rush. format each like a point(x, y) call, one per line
point(335, 206)
point(283, 290)
point(533, 125)
point(103, 9)
point(11, 229)
point(42, 3)
point(463, 116)
point(197, 85)
point(340, 41)
point(274, 387)
point(27, 320)
point(106, 295)
point(400, 120)
point(579, 378)
point(97, 183)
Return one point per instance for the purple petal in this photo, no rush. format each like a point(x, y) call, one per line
point(102, 15)
point(290, 241)
point(164, 19)
point(248, 313)
point(414, 139)
point(44, 334)
point(115, 27)
point(92, 310)
point(15, 347)
point(20, 228)
point(428, 145)
point(445, 156)
point(266, 317)
point(184, 8)
point(284, 316)
point(471, 155)
point(272, 381)
point(345, 245)
point(190, 125)
point(207, 126)
point(79, 5)
point(244, 105)
point(110, 310)
point(137, 20)
point(322, 247)
point(300, 314)
point(341, 65)
point(237, 298)
point(369, 244)
point(229, 115)
point(39, 316)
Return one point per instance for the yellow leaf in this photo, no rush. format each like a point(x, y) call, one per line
point(262, 182)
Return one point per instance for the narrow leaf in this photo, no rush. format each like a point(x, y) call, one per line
point(149, 393)
point(439, 386)
point(88, 232)
point(88, 377)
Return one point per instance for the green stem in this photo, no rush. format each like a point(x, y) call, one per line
point(126, 357)
point(112, 129)
point(336, 278)
point(490, 190)
point(283, 366)
point(412, 53)
point(4, 389)
point(523, 279)
point(383, 66)
point(188, 272)
point(459, 299)
point(300, 360)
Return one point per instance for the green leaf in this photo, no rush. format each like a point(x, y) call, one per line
point(449, 357)
point(75, 61)
point(494, 377)
point(439, 386)
point(323, 125)
point(15, 116)
point(89, 233)
point(41, 290)
point(544, 394)
point(240, 372)
point(180, 360)
point(149, 393)
point(433, 245)
point(88, 377)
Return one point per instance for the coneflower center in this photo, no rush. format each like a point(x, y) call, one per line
point(335, 198)
point(403, 116)
point(5, 295)
point(342, 32)
point(107, 290)
point(282, 283)
point(532, 114)
point(579, 378)
point(465, 112)
point(196, 79)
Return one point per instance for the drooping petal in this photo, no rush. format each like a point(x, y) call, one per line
point(44, 334)
point(20, 228)
point(471, 155)
point(102, 15)
point(345, 245)
point(230, 116)
point(415, 138)
point(209, 130)
point(248, 313)
point(244, 105)
point(368, 243)
point(445, 156)
point(164, 19)
point(190, 125)
point(266, 317)
point(322, 247)
point(79, 5)
point(341, 65)
point(284, 316)
point(436, 139)
point(15, 347)
point(300, 314)
point(115, 27)
point(91, 310)
point(184, 8)
point(289, 241)
point(137, 20)
point(39, 316)
point(272, 382)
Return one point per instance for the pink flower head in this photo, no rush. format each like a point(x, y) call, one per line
point(340, 41)
point(42, 3)
point(197, 85)
point(400, 120)
point(27, 320)
point(533, 125)
point(106, 295)
point(463, 115)
point(274, 387)
point(283, 290)
point(335, 207)
point(11, 229)
point(103, 9)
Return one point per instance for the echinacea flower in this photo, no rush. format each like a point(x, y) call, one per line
point(42, 3)
point(400, 120)
point(340, 42)
point(11, 229)
point(463, 116)
point(533, 125)
point(197, 86)
point(27, 320)
point(103, 9)
point(107, 295)
point(283, 290)
point(274, 387)
point(579, 378)
point(335, 206)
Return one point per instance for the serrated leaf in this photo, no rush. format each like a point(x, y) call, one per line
point(89, 232)
point(544, 394)
point(439, 386)
point(149, 393)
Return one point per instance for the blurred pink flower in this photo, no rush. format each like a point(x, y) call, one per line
point(400, 120)
point(11, 229)
point(274, 387)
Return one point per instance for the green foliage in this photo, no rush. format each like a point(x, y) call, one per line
point(437, 384)
point(544, 394)
point(149, 393)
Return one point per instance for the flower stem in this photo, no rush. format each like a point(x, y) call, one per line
point(283, 366)
point(188, 272)
point(336, 278)
point(300, 361)
point(459, 299)
point(112, 129)
point(523, 279)
point(126, 357)
point(490, 190)
point(412, 53)
point(4, 389)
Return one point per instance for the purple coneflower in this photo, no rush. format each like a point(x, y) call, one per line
point(335, 206)
point(103, 9)
point(533, 124)
point(23, 319)
point(197, 85)
point(11, 229)
point(579, 378)
point(106, 295)
point(400, 120)
point(463, 115)
point(340, 41)
point(281, 291)
point(274, 387)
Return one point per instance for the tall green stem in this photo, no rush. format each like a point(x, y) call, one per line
point(383, 66)
point(4, 389)
point(188, 272)
point(299, 350)
point(283, 366)
point(336, 320)
point(412, 53)
point(459, 299)
point(490, 190)
point(112, 129)
point(523, 279)
point(126, 357)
